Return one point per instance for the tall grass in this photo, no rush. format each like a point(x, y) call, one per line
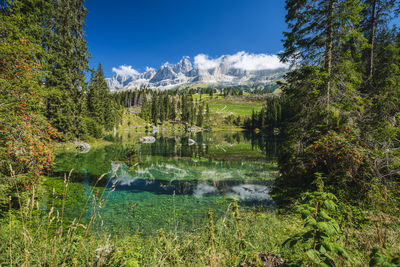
point(37, 239)
point(33, 236)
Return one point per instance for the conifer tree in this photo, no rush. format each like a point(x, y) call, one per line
point(318, 31)
point(68, 61)
point(154, 109)
point(200, 117)
point(375, 19)
point(325, 42)
point(172, 114)
point(208, 114)
point(100, 105)
point(144, 112)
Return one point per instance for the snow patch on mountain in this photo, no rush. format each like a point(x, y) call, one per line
point(228, 70)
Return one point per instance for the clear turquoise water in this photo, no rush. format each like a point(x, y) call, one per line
point(173, 184)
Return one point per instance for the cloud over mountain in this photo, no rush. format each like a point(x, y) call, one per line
point(241, 60)
point(125, 71)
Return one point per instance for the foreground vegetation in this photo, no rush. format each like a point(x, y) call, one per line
point(251, 238)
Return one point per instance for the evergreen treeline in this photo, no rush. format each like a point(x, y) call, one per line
point(173, 105)
point(342, 100)
point(131, 98)
point(270, 116)
point(103, 110)
point(44, 95)
point(162, 107)
point(54, 31)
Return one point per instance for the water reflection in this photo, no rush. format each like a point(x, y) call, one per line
point(174, 180)
point(182, 145)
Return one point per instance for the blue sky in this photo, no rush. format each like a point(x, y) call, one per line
point(152, 32)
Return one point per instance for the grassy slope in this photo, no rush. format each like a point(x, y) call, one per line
point(220, 108)
point(234, 108)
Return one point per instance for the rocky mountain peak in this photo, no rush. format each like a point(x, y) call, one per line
point(228, 70)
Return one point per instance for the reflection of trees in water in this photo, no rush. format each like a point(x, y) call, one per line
point(178, 146)
point(268, 144)
point(97, 161)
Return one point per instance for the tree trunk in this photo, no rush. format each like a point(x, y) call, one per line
point(372, 39)
point(328, 47)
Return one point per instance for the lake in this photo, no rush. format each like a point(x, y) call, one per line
point(169, 184)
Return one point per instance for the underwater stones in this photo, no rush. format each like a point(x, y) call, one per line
point(147, 139)
point(83, 147)
point(251, 192)
point(191, 142)
point(204, 189)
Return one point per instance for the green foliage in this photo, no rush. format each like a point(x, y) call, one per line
point(127, 253)
point(93, 128)
point(68, 61)
point(269, 117)
point(341, 155)
point(25, 136)
point(383, 257)
point(320, 241)
point(102, 108)
point(341, 101)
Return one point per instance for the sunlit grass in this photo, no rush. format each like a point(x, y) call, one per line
point(237, 109)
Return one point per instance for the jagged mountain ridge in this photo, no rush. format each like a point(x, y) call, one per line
point(222, 72)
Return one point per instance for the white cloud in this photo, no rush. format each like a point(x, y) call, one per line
point(203, 62)
point(241, 60)
point(125, 71)
point(149, 69)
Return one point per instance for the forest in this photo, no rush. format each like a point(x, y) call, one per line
point(336, 120)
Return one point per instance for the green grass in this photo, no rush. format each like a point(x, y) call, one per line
point(234, 108)
point(201, 96)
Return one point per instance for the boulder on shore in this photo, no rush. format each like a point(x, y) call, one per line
point(147, 139)
point(83, 147)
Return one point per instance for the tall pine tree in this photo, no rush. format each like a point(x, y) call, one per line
point(68, 61)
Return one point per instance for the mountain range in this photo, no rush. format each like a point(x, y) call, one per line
point(240, 69)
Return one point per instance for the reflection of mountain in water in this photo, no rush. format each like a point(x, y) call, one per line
point(147, 180)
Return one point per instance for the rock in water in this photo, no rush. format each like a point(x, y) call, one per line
point(83, 147)
point(191, 142)
point(147, 139)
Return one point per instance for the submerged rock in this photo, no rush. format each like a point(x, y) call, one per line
point(204, 189)
point(147, 139)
